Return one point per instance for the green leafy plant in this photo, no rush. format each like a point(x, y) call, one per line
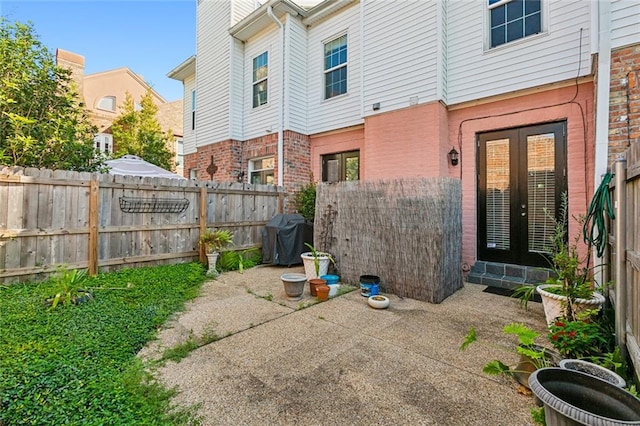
point(526, 346)
point(239, 260)
point(305, 200)
point(576, 339)
point(215, 240)
point(68, 288)
point(55, 362)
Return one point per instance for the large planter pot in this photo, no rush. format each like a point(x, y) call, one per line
point(212, 259)
point(309, 265)
point(594, 370)
point(574, 398)
point(293, 285)
point(554, 304)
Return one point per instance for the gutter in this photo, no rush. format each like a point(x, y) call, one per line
point(280, 100)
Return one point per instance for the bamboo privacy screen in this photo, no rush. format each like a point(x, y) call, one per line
point(52, 218)
point(407, 232)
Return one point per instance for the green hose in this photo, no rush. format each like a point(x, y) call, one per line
point(594, 230)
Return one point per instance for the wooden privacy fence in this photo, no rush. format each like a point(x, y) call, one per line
point(84, 220)
point(407, 232)
point(622, 259)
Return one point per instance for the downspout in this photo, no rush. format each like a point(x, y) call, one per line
point(280, 100)
point(602, 104)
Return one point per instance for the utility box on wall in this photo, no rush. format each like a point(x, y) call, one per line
point(406, 231)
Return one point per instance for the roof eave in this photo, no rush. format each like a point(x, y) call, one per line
point(258, 20)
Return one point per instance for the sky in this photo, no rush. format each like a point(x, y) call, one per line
point(150, 37)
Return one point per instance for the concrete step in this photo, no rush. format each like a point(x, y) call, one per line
point(505, 275)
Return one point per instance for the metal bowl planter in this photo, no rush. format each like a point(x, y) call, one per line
point(574, 398)
point(293, 285)
point(553, 303)
point(594, 370)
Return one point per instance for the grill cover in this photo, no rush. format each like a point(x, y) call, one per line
point(283, 239)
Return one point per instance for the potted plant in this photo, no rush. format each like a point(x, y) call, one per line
point(531, 355)
point(316, 263)
point(572, 289)
point(213, 241)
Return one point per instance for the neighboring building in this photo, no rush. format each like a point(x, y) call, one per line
point(103, 93)
point(379, 89)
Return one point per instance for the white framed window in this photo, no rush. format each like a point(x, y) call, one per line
point(260, 73)
point(335, 67)
point(179, 152)
point(261, 170)
point(193, 174)
point(103, 143)
point(193, 109)
point(107, 103)
point(510, 20)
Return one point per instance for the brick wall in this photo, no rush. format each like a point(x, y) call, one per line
point(232, 157)
point(624, 100)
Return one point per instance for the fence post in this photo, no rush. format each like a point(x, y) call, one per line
point(93, 227)
point(620, 206)
point(280, 202)
point(203, 222)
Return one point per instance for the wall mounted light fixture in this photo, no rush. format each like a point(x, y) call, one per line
point(453, 156)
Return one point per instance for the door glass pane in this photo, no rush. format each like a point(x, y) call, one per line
point(498, 196)
point(541, 187)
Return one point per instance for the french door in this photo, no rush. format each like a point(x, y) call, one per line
point(522, 175)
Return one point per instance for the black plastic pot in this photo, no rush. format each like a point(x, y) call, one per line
point(574, 398)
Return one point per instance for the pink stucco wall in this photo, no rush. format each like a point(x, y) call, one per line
point(573, 104)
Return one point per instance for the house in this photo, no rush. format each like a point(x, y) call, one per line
point(517, 91)
point(104, 92)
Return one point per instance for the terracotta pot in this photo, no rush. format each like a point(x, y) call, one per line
point(323, 292)
point(314, 283)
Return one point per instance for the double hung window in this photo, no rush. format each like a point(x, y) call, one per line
point(513, 19)
point(335, 67)
point(261, 170)
point(260, 72)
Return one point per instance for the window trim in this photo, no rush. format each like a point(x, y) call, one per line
point(345, 65)
point(264, 79)
point(109, 97)
point(544, 19)
point(342, 164)
point(251, 170)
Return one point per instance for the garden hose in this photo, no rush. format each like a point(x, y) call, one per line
point(594, 230)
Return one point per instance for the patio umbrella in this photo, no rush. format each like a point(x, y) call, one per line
point(132, 165)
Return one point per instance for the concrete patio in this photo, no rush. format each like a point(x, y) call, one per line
point(341, 362)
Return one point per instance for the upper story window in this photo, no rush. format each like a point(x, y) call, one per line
point(107, 103)
point(193, 109)
point(260, 71)
point(513, 19)
point(335, 67)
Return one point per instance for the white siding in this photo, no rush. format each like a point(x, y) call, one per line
point(400, 53)
point(296, 90)
point(258, 120)
point(240, 9)
point(473, 73)
point(625, 23)
point(189, 136)
point(213, 72)
point(341, 111)
point(236, 102)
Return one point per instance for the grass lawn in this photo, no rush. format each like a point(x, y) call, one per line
point(76, 364)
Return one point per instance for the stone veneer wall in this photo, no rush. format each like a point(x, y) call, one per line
point(232, 157)
point(624, 120)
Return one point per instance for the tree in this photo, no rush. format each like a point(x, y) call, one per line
point(138, 132)
point(42, 122)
